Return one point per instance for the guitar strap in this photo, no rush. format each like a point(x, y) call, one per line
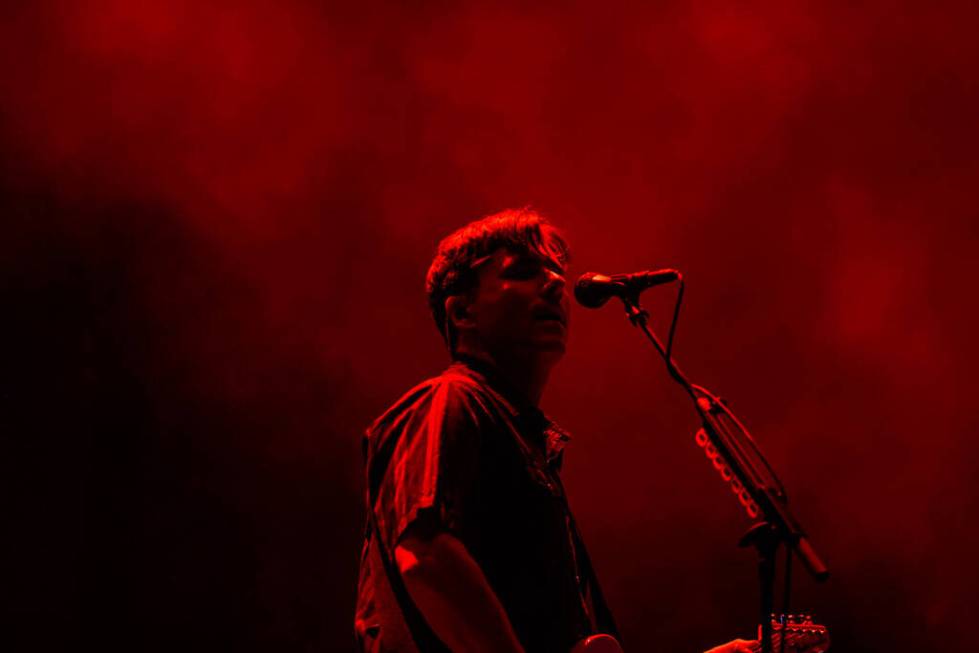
point(603, 616)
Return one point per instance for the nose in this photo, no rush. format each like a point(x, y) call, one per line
point(554, 285)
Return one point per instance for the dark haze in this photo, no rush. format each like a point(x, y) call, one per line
point(216, 223)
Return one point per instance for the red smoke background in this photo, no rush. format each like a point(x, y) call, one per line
point(216, 223)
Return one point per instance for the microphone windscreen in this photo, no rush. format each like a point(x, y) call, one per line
point(592, 290)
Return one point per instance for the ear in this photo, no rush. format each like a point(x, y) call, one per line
point(457, 311)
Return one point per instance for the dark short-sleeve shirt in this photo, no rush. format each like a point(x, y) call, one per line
point(460, 453)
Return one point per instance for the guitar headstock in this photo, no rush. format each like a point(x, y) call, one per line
point(801, 634)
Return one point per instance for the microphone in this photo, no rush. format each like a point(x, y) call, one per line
point(592, 290)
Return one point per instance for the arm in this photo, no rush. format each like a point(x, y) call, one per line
point(737, 646)
point(452, 593)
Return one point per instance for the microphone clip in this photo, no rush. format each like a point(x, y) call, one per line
point(638, 316)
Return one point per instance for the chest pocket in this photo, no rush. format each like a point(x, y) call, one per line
point(533, 460)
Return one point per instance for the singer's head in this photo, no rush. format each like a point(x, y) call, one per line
point(496, 288)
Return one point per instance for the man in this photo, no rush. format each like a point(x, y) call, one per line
point(470, 543)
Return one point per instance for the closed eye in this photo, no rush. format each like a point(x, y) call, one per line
point(528, 268)
point(523, 269)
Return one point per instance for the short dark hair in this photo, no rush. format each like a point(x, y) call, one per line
point(452, 271)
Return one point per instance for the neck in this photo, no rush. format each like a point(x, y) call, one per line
point(525, 374)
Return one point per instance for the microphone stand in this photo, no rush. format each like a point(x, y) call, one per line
point(739, 461)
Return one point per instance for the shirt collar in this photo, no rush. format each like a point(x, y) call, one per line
point(555, 436)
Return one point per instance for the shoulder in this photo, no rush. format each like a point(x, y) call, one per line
point(452, 392)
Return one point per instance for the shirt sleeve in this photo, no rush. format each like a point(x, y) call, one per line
point(433, 468)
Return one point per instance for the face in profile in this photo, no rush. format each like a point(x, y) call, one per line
point(521, 305)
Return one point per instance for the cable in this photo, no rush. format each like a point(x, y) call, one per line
point(676, 317)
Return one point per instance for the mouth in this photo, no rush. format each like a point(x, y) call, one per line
point(547, 314)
